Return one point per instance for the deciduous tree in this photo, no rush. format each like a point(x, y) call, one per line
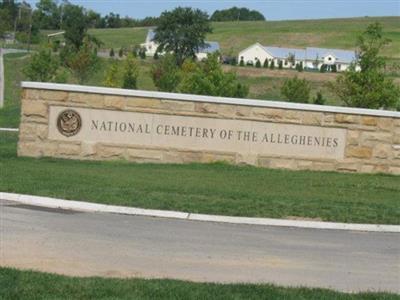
point(182, 31)
point(368, 87)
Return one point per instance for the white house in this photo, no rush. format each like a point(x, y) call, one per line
point(310, 57)
point(151, 46)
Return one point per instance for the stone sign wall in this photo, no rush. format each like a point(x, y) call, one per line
point(83, 122)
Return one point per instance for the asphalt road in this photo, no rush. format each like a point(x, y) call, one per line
point(85, 244)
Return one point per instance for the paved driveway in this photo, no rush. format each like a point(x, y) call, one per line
point(84, 244)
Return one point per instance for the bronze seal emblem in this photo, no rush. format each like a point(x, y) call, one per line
point(69, 122)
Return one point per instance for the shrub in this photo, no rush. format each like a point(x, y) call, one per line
point(121, 52)
point(280, 65)
point(156, 56)
point(265, 65)
point(258, 63)
point(112, 75)
point(272, 65)
point(208, 78)
point(142, 53)
point(241, 62)
point(42, 66)
point(166, 74)
point(319, 99)
point(323, 68)
point(333, 68)
point(233, 61)
point(299, 66)
point(130, 73)
point(296, 90)
point(112, 54)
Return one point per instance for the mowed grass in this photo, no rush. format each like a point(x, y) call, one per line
point(236, 36)
point(120, 37)
point(10, 113)
point(206, 188)
point(23, 285)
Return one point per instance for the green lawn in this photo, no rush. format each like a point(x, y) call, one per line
point(206, 188)
point(10, 113)
point(36, 285)
point(236, 36)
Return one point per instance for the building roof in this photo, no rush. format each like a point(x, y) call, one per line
point(345, 56)
point(210, 47)
point(284, 53)
point(150, 35)
point(309, 53)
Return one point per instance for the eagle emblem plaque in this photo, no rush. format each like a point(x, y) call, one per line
point(69, 122)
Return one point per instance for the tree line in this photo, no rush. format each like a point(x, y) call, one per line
point(50, 14)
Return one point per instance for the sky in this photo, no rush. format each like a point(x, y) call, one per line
point(271, 9)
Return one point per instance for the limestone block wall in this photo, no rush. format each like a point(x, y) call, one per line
point(372, 137)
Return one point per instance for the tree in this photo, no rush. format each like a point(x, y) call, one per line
point(142, 53)
point(83, 62)
point(280, 65)
point(236, 14)
point(112, 53)
point(120, 52)
point(130, 73)
point(47, 15)
point(208, 78)
point(75, 25)
point(182, 31)
point(42, 66)
point(296, 90)
point(265, 65)
point(112, 75)
point(272, 65)
point(368, 87)
point(292, 59)
point(299, 66)
point(166, 74)
point(258, 63)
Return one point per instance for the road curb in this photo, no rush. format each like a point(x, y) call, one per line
point(96, 207)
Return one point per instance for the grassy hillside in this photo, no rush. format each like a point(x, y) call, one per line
point(235, 36)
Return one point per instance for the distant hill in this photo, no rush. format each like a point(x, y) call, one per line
point(235, 36)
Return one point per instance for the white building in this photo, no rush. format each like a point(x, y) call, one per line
point(310, 57)
point(151, 46)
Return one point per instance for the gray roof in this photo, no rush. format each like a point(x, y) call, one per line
point(150, 35)
point(345, 56)
point(210, 47)
point(284, 53)
point(311, 53)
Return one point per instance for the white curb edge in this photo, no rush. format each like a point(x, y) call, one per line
point(95, 207)
point(9, 129)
